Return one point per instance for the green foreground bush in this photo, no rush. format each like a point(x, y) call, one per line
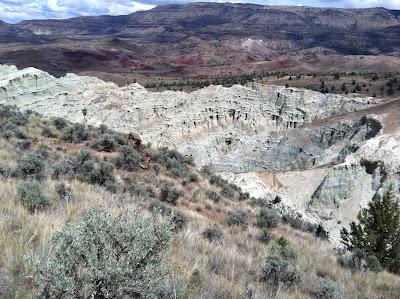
point(32, 197)
point(101, 256)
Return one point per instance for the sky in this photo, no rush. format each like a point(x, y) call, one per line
point(13, 11)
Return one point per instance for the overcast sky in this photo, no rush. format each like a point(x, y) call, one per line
point(13, 11)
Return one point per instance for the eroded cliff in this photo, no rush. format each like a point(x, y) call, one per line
point(315, 146)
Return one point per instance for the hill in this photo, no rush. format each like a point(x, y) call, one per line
point(206, 40)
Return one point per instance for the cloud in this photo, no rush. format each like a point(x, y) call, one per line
point(372, 3)
point(393, 4)
point(17, 10)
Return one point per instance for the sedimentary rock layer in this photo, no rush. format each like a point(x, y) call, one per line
point(325, 156)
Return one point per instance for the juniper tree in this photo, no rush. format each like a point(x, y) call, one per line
point(377, 232)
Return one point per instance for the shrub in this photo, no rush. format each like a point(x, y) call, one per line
point(101, 256)
point(10, 129)
point(282, 242)
point(325, 288)
point(217, 181)
point(228, 192)
point(244, 196)
point(165, 156)
point(32, 165)
point(60, 123)
point(128, 159)
point(104, 176)
point(213, 196)
point(238, 218)
point(32, 197)
point(213, 234)
point(267, 218)
point(19, 119)
point(83, 163)
point(145, 191)
point(277, 272)
point(23, 145)
point(64, 192)
point(103, 128)
point(285, 249)
point(75, 133)
point(193, 178)
point(47, 132)
point(178, 219)
point(62, 168)
point(106, 143)
point(168, 193)
point(373, 264)
point(259, 202)
point(265, 236)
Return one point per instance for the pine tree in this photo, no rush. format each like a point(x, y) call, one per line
point(378, 231)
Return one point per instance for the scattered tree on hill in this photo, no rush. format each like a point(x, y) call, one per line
point(378, 231)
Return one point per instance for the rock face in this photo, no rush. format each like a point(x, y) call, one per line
point(232, 129)
point(270, 140)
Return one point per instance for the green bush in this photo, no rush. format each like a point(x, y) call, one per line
point(10, 129)
point(213, 234)
point(284, 249)
point(60, 123)
point(324, 288)
point(75, 133)
point(238, 218)
point(166, 156)
point(277, 272)
point(217, 181)
point(128, 159)
point(104, 176)
point(373, 264)
point(168, 193)
point(83, 163)
point(32, 197)
point(62, 168)
point(228, 192)
point(142, 191)
point(178, 219)
point(283, 242)
point(267, 218)
point(106, 143)
point(101, 256)
point(32, 165)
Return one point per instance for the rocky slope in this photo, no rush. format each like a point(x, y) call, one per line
point(324, 156)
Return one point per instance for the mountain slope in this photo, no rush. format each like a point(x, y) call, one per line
point(192, 39)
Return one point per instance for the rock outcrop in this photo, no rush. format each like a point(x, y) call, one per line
point(326, 158)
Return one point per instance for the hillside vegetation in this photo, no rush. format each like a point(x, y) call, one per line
point(88, 212)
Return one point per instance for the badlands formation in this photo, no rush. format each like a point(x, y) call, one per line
point(320, 157)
